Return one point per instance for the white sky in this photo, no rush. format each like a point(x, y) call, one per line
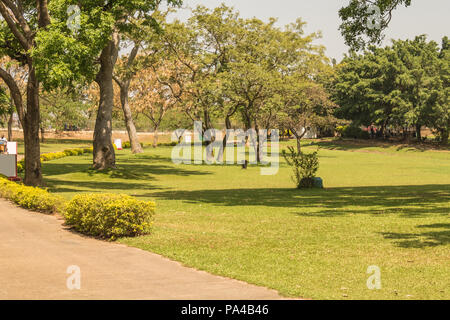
point(429, 17)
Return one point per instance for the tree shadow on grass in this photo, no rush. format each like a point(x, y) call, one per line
point(421, 239)
point(127, 170)
point(140, 158)
point(407, 201)
point(354, 144)
point(55, 185)
point(129, 176)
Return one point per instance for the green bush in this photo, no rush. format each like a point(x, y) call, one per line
point(21, 166)
point(74, 152)
point(109, 215)
point(52, 156)
point(304, 165)
point(127, 145)
point(353, 132)
point(32, 198)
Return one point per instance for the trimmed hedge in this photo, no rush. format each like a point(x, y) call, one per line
point(109, 216)
point(57, 155)
point(106, 216)
point(31, 198)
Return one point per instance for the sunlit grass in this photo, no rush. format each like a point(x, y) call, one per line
point(382, 206)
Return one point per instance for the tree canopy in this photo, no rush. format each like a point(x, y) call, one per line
point(364, 21)
point(402, 85)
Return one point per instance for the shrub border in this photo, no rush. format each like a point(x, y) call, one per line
point(40, 200)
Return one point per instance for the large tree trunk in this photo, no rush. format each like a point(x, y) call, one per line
point(33, 171)
point(104, 156)
point(131, 128)
point(10, 123)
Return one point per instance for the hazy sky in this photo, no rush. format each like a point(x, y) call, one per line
point(423, 17)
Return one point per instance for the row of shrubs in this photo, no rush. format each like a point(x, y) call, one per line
point(107, 216)
point(57, 155)
point(31, 198)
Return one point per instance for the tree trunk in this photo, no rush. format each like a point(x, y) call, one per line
point(258, 144)
point(10, 123)
point(104, 156)
point(131, 128)
point(419, 132)
point(248, 126)
point(225, 138)
point(155, 136)
point(299, 138)
point(33, 170)
point(299, 145)
point(444, 136)
point(42, 135)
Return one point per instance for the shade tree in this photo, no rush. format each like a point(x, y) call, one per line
point(90, 53)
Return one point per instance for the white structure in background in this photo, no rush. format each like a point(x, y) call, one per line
point(11, 147)
point(8, 162)
point(118, 143)
point(310, 133)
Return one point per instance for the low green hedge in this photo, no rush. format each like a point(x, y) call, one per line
point(109, 216)
point(32, 198)
point(56, 155)
point(106, 216)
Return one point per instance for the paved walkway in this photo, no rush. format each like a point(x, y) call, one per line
point(36, 250)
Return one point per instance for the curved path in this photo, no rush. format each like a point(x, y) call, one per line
point(36, 250)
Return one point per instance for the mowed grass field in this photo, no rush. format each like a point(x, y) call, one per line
point(382, 205)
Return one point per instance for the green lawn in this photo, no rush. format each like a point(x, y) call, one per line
point(384, 206)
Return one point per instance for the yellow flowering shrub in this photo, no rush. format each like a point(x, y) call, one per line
point(109, 216)
point(32, 198)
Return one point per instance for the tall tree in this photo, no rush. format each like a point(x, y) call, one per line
point(269, 73)
point(91, 52)
point(403, 85)
point(154, 95)
point(123, 79)
point(22, 20)
point(200, 51)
